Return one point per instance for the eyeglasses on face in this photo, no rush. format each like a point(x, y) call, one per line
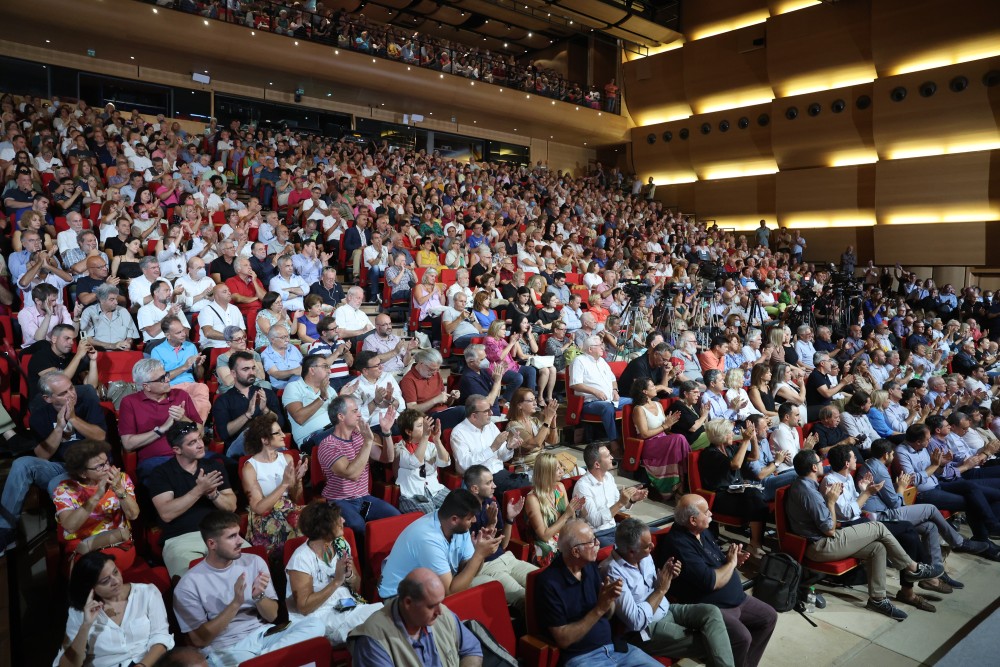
point(163, 378)
point(592, 543)
point(104, 465)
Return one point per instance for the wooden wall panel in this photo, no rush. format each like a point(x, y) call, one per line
point(964, 244)
point(733, 151)
point(827, 140)
point(720, 73)
point(824, 47)
point(826, 197)
point(828, 244)
point(703, 18)
point(680, 196)
point(736, 202)
point(943, 188)
point(944, 122)
point(666, 162)
point(914, 35)
point(654, 88)
point(572, 159)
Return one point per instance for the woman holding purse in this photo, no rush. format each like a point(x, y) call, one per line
point(94, 506)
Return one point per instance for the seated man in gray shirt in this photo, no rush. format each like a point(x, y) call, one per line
point(655, 625)
point(226, 604)
point(810, 515)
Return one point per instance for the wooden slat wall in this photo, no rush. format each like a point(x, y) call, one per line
point(933, 160)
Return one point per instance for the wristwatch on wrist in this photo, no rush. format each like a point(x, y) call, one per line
point(258, 597)
point(157, 431)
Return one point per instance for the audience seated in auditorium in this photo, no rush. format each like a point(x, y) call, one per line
point(477, 440)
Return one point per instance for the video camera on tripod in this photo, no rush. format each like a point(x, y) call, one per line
point(636, 290)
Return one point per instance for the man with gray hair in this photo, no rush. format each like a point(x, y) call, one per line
point(480, 377)
point(145, 416)
point(61, 415)
point(576, 604)
point(804, 346)
point(351, 321)
point(661, 629)
point(138, 287)
point(478, 441)
point(461, 285)
point(291, 287)
point(423, 390)
point(282, 360)
point(592, 377)
point(108, 325)
point(709, 576)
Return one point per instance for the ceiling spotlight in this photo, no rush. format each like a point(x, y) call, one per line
point(863, 102)
point(706, 128)
point(131, 57)
point(529, 34)
point(838, 106)
point(724, 126)
point(48, 41)
point(329, 94)
point(253, 34)
point(927, 89)
point(668, 136)
point(650, 138)
point(684, 134)
point(505, 45)
point(206, 22)
point(743, 123)
point(155, 10)
point(336, 52)
point(958, 84)
point(898, 94)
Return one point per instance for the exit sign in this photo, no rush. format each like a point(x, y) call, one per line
point(92, 53)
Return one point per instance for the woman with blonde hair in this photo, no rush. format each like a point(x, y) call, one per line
point(537, 428)
point(735, 390)
point(429, 298)
point(547, 508)
point(720, 466)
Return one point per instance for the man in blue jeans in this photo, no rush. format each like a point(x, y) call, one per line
point(592, 377)
point(576, 603)
point(345, 455)
point(61, 415)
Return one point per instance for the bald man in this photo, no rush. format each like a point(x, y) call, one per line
point(97, 274)
point(391, 350)
point(401, 629)
point(709, 576)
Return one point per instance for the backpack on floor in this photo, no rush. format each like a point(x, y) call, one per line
point(494, 654)
point(777, 584)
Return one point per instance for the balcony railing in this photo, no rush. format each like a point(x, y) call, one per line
point(343, 31)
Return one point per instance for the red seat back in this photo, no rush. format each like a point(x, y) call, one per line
point(486, 604)
point(113, 366)
point(380, 535)
point(316, 651)
point(789, 543)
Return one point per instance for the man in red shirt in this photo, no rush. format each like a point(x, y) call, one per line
point(247, 290)
point(144, 417)
point(423, 390)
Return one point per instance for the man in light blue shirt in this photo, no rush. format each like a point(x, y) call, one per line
point(764, 468)
point(441, 542)
point(281, 360)
point(695, 631)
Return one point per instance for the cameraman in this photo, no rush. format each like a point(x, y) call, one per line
point(875, 308)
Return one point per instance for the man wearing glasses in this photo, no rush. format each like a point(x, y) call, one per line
point(392, 351)
point(336, 351)
point(375, 390)
point(577, 604)
point(61, 415)
point(145, 416)
point(477, 440)
point(593, 378)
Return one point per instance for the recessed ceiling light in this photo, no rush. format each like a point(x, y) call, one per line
point(206, 22)
point(486, 21)
point(253, 33)
point(505, 45)
point(336, 52)
point(472, 83)
point(329, 94)
point(432, 113)
point(206, 71)
point(501, 90)
point(155, 10)
point(528, 96)
point(407, 69)
point(551, 137)
point(529, 34)
point(373, 60)
point(441, 75)
point(131, 57)
point(599, 113)
point(48, 41)
point(296, 43)
point(553, 101)
point(270, 83)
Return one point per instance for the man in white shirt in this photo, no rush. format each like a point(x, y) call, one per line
point(592, 377)
point(461, 285)
point(375, 390)
point(376, 258)
point(785, 438)
point(351, 321)
point(195, 287)
point(218, 314)
point(291, 287)
point(477, 440)
point(139, 287)
point(150, 315)
point(601, 495)
point(207, 198)
point(527, 260)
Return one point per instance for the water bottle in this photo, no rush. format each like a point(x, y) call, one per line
point(811, 600)
point(406, 328)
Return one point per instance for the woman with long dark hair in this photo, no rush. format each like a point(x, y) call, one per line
point(112, 622)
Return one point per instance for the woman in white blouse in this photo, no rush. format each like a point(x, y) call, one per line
point(418, 457)
point(321, 575)
point(112, 623)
